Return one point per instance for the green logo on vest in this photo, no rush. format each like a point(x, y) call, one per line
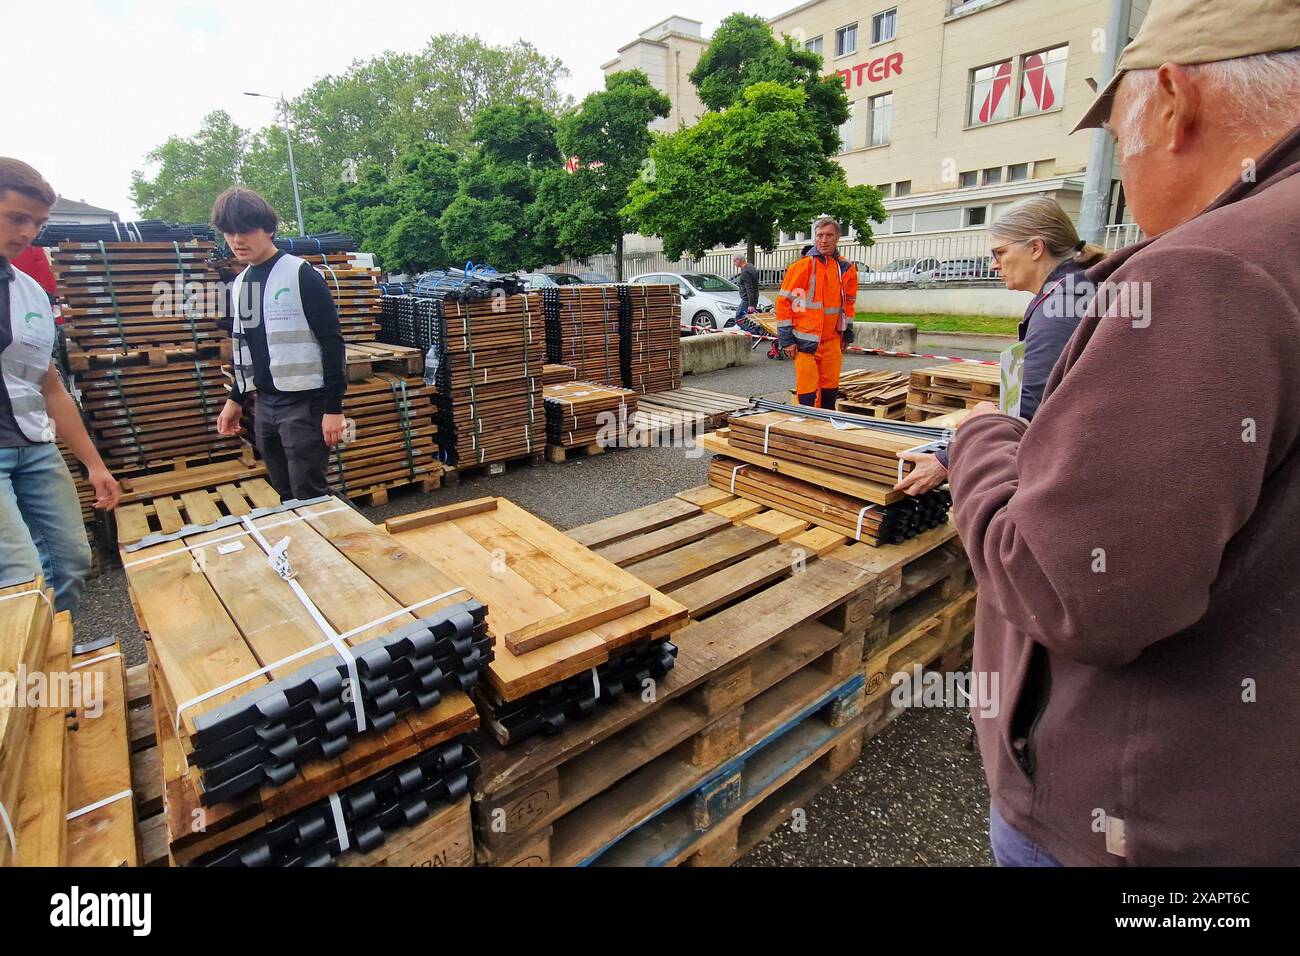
point(29, 316)
point(278, 293)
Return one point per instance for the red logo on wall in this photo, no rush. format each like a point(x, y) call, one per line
point(1001, 83)
point(1036, 84)
point(878, 69)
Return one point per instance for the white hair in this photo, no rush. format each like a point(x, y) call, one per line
point(1260, 94)
point(826, 221)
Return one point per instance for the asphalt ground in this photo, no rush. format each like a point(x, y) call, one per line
point(917, 796)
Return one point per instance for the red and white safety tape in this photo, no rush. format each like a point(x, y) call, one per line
point(860, 349)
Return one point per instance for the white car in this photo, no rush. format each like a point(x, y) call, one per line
point(906, 270)
point(709, 302)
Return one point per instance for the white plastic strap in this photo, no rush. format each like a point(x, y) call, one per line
point(901, 462)
point(857, 535)
point(99, 803)
point(735, 471)
point(767, 429)
point(231, 536)
point(44, 597)
point(9, 827)
point(345, 652)
point(340, 828)
point(595, 682)
point(96, 660)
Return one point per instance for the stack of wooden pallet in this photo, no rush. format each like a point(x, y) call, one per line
point(356, 294)
point(248, 673)
point(586, 415)
point(113, 302)
point(951, 387)
point(558, 374)
point(839, 474)
point(881, 394)
point(489, 379)
point(64, 768)
point(655, 360)
point(572, 629)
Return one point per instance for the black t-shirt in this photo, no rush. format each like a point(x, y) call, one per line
point(322, 318)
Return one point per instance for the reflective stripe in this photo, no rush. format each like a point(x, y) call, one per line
point(785, 295)
point(831, 310)
point(290, 338)
point(26, 403)
point(784, 323)
point(30, 373)
point(806, 336)
point(297, 368)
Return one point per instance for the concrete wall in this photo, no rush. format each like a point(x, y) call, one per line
point(968, 301)
point(708, 353)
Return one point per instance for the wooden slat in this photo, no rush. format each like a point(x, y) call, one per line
point(199, 507)
point(551, 629)
point(650, 518)
point(682, 565)
point(666, 539)
point(41, 818)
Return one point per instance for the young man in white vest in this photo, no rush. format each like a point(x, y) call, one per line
point(41, 529)
point(288, 349)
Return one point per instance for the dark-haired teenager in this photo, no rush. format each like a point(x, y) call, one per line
point(288, 349)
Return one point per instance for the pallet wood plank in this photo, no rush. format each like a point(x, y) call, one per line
point(673, 569)
point(649, 518)
point(549, 630)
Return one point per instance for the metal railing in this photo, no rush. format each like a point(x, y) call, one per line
point(889, 259)
point(1121, 235)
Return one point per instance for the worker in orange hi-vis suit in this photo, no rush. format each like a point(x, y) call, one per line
point(814, 315)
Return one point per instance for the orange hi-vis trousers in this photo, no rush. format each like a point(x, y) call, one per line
point(817, 374)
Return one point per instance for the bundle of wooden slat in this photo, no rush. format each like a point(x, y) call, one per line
point(133, 297)
point(557, 611)
point(873, 392)
point(356, 294)
point(583, 413)
point(396, 437)
point(874, 524)
point(655, 334)
point(249, 669)
point(583, 330)
point(950, 387)
point(146, 416)
point(489, 378)
point(556, 374)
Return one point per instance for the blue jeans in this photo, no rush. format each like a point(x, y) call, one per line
point(40, 523)
point(741, 311)
point(1011, 847)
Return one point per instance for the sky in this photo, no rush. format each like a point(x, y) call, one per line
point(96, 84)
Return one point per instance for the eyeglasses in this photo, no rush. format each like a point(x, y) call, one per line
point(1000, 251)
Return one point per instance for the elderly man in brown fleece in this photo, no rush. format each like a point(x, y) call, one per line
point(1137, 546)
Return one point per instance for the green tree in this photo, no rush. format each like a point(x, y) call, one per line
point(424, 187)
point(191, 171)
point(495, 217)
point(743, 174)
point(608, 140)
point(743, 52)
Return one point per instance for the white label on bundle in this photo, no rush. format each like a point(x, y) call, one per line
point(232, 547)
point(845, 426)
point(349, 431)
point(279, 559)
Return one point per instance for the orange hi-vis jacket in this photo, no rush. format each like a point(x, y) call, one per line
point(816, 301)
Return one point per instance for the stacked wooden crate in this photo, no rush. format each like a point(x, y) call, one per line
point(395, 438)
point(582, 329)
point(880, 394)
point(255, 736)
point(951, 387)
point(583, 415)
point(655, 361)
point(356, 293)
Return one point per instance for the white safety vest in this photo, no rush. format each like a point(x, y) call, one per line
point(27, 359)
point(295, 355)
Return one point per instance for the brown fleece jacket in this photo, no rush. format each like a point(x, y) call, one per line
point(1137, 549)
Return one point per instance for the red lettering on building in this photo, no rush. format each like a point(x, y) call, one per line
point(878, 69)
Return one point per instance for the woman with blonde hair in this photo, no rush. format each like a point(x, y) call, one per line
point(1037, 249)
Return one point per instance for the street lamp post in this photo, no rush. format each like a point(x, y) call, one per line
point(293, 170)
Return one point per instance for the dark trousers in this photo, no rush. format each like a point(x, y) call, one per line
point(288, 434)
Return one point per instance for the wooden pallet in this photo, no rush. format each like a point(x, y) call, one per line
point(559, 454)
point(775, 629)
point(468, 469)
point(81, 360)
point(894, 411)
point(167, 514)
point(364, 359)
point(945, 388)
point(445, 838)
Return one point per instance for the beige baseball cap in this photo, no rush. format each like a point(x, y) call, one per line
point(1200, 31)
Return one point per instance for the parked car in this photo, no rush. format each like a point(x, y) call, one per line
point(905, 270)
point(976, 268)
point(709, 302)
point(541, 280)
point(594, 278)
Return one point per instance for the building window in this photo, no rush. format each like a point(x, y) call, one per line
point(968, 179)
point(1017, 172)
point(882, 118)
point(904, 188)
point(1042, 79)
point(901, 222)
point(814, 46)
point(992, 176)
point(938, 220)
point(883, 26)
point(977, 215)
point(990, 94)
point(846, 130)
point(846, 40)
point(886, 190)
